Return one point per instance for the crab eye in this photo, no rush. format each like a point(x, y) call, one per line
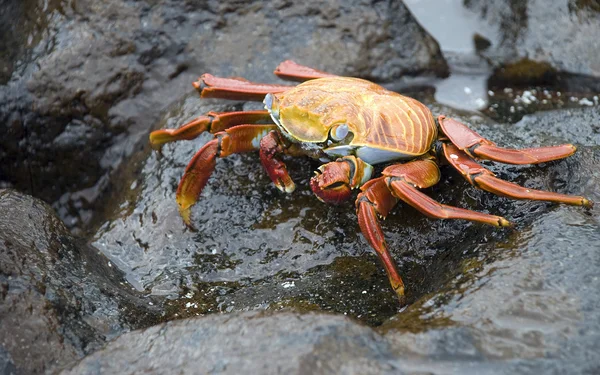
point(339, 132)
point(272, 105)
point(268, 101)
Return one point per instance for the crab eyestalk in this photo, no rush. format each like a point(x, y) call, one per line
point(333, 182)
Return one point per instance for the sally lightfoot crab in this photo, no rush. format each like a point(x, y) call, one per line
point(350, 125)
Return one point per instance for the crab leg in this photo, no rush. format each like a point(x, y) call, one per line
point(213, 122)
point(293, 71)
point(404, 179)
point(482, 178)
point(271, 146)
point(210, 86)
point(475, 145)
point(375, 200)
point(238, 139)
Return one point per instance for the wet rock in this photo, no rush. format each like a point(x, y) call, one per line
point(247, 343)
point(526, 304)
point(525, 300)
point(22, 26)
point(59, 298)
point(538, 41)
point(97, 76)
point(481, 43)
point(256, 248)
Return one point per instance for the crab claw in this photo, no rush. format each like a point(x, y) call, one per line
point(333, 182)
point(328, 190)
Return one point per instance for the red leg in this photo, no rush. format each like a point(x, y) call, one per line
point(482, 178)
point(238, 139)
point(404, 179)
point(213, 122)
point(333, 182)
point(210, 86)
point(295, 72)
point(475, 145)
point(401, 181)
point(376, 199)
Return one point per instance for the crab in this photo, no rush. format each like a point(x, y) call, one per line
point(350, 125)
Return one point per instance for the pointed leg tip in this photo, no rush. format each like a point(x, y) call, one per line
point(286, 186)
point(187, 219)
point(198, 84)
point(290, 188)
point(571, 149)
point(502, 222)
point(156, 146)
point(401, 297)
point(157, 139)
point(587, 203)
point(185, 210)
point(186, 215)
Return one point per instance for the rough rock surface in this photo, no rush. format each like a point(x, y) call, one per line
point(82, 94)
point(525, 301)
point(59, 298)
point(544, 37)
point(251, 343)
point(528, 304)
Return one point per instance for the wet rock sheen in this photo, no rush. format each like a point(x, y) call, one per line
point(59, 298)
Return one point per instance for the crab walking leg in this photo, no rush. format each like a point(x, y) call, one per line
point(293, 71)
point(213, 122)
point(333, 182)
point(404, 179)
point(375, 200)
point(482, 178)
point(475, 145)
point(271, 146)
point(238, 139)
point(210, 86)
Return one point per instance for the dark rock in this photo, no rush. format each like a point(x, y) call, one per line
point(247, 343)
point(537, 37)
point(524, 301)
point(481, 43)
point(22, 26)
point(100, 74)
point(59, 298)
point(526, 304)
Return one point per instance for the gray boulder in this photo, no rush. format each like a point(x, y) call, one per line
point(538, 41)
point(59, 298)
